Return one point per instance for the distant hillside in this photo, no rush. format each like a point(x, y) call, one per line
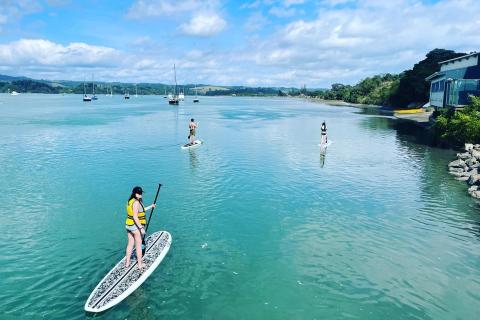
point(10, 78)
point(26, 85)
point(204, 89)
point(245, 91)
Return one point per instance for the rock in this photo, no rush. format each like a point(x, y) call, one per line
point(473, 171)
point(453, 170)
point(476, 147)
point(458, 174)
point(470, 161)
point(468, 146)
point(476, 154)
point(476, 165)
point(464, 155)
point(475, 194)
point(473, 179)
point(468, 173)
point(457, 163)
point(462, 178)
point(472, 188)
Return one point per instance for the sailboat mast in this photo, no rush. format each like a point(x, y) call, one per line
point(175, 73)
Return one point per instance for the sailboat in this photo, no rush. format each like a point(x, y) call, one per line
point(85, 97)
point(127, 95)
point(136, 93)
point(174, 98)
point(195, 100)
point(13, 93)
point(165, 93)
point(181, 96)
point(94, 97)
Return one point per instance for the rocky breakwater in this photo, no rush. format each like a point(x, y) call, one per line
point(466, 168)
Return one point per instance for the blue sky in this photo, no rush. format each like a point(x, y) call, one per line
point(256, 43)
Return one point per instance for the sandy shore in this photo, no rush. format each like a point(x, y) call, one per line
point(421, 118)
point(343, 103)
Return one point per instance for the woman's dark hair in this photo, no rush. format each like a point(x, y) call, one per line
point(192, 119)
point(133, 195)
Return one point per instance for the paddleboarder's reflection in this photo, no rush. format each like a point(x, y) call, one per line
point(193, 158)
point(323, 154)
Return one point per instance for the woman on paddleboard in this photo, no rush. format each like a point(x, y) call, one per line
point(135, 225)
point(323, 139)
point(193, 127)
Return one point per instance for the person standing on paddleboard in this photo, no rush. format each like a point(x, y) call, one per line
point(324, 133)
point(135, 225)
point(193, 127)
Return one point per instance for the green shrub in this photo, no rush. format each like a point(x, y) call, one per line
point(458, 127)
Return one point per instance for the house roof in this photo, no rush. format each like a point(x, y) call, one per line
point(435, 75)
point(460, 58)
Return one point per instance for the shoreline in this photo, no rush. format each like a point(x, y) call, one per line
point(342, 103)
point(421, 119)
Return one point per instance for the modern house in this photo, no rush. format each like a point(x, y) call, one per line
point(457, 79)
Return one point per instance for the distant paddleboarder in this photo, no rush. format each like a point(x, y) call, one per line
point(192, 127)
point(324, 139)
point(135, 225)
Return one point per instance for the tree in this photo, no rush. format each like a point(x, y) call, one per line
point(413, 87)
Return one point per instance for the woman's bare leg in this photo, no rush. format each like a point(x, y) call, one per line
point(128, 253)
point(138, 247)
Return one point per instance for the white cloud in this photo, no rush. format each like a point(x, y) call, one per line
point(372, 37)
point(255, 22)
point(3, 19)
point(39, 52)
point(204, 25)
point(155, 8)
point(251, 5)
point(282, 12)
point(11, 11)
point(288, 3)
point(336, 2)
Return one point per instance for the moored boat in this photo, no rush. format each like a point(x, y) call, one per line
point(174, 98)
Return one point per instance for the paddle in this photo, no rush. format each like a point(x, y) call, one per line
point(148, 223)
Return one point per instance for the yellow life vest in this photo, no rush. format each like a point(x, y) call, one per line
point(141, 215)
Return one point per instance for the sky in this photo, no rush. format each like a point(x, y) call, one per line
point(253, 43)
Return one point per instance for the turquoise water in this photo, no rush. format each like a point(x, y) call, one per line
point(261, 228)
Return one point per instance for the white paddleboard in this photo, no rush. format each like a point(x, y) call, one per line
point(196, 143)
point(120, 282)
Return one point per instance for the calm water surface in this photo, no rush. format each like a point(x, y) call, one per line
point(263, 225)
